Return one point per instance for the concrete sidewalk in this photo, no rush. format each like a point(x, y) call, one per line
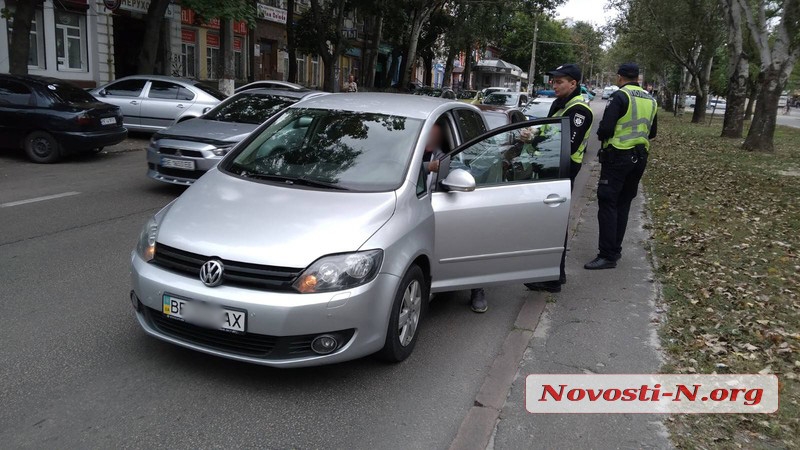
point(602, 322)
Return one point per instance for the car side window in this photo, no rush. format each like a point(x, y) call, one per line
point(125, 88)
point(185, 94)
point(523, 155)
point(164, 90)
point(14, 94)
point(470, 123)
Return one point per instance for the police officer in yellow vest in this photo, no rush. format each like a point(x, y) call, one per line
point(570, 103)
point(628, 125)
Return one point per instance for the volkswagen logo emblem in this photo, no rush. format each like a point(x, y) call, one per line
point(211, 273)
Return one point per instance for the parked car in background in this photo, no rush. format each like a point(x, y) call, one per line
point(271, 84)
point(50, 118)
point(185, 151)
point(538, 107)
point(497, 116)
point(154, 102)
point(492, 90)
point(446, 93)
point(717, 104)
point(545, 93)
point(587, 96)
point(313, 241)
point(512, 99)
point(466, 95)
point(608, 90)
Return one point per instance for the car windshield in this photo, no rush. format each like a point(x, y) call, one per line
point(211, 91)
point(67, 93)
point(356, 151)
point(429, 92)
point(501, 99)
point(537, 109)
point(249, 108)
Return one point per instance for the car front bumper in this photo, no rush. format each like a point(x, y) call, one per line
point(157, 171)
point(288, 319)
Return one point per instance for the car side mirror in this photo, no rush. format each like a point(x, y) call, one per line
point(459, 180)
point(102, 93)
point(206, 109)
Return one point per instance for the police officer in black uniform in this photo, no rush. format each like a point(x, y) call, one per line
point(628, 125)
point(569, 103)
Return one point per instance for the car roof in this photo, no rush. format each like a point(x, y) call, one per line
point(412, 106)
point(157, 77)
point(495, 108)
point(281, 92)
point(35, 79)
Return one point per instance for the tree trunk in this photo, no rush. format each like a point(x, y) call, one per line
point(373, 57)
point(751, 100)
point(152, 35)
point(19, 47)
point(759, 138)
point(468, 68)
point(226, 81)
point(391, 68)
point(448, 66)
point(427, 64)
point(330, 72)
point(738, 72)
point(702, 86)
point(413, 39)
point(291, 47)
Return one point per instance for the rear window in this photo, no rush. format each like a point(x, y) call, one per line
point(211, 91)
point(495, 120)
point(249, 108)
point(67, 93)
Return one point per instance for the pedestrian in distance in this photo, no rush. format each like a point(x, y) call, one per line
point(569, 103)
point(352, 86)
point(629, 123)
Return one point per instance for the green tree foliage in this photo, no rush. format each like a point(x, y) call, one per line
point(554, 47)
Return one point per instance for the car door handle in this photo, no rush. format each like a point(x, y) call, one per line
point(134, 102)
point(554, 199)
point(180, 106)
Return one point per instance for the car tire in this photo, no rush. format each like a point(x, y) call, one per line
point(42, 148)
point(409, 306)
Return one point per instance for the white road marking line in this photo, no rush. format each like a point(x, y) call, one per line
point(38, 199)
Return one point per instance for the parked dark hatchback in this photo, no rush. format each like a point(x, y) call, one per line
point(50, 118)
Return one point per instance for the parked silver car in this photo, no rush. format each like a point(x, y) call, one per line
point(319, 238)
point(183, 152)
point(153, 102)
point(271, 84)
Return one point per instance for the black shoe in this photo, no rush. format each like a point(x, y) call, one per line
point(478, 301)
point(546, 286)
point(600, 263)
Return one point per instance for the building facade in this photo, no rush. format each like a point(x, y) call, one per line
point(70, 39)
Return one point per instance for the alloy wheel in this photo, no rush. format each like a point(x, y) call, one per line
point(409, 313)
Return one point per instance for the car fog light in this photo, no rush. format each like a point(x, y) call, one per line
point(324, 344)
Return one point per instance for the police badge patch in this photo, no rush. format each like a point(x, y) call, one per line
point(579, 119)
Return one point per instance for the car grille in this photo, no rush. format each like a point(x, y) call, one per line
point(245, 344)
point(183, 152)
point(179, 173)
point(235, 274)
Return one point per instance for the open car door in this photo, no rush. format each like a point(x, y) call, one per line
point(501, 207)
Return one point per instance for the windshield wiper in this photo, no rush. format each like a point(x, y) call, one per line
point(291, 180)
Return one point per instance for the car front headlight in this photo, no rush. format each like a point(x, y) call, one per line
point(222, 150)
point(339, 272)
point(146, 248)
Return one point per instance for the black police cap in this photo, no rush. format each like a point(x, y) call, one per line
point(567, 70)
point(629, 70)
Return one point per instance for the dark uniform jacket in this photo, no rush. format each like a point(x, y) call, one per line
point(616, 108)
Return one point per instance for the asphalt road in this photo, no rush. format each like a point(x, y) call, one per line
point(77, 372)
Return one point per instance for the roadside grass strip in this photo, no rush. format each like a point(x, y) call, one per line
point(726, 230)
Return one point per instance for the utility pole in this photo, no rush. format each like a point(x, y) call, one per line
point(533, 55)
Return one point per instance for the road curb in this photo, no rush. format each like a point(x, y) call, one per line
point(478, 426)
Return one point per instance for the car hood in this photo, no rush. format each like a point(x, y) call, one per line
point(263, 223)
point(208, 130)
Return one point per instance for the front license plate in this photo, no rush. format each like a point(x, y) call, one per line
point(177, 163)
point(204, 315)
point(108, 121)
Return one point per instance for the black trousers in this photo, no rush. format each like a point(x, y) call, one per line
point(574, 168)
point(620, 173)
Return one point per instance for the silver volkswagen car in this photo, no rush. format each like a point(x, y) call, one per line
point(183, 152)
point(154, 102)
point(319, 238)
